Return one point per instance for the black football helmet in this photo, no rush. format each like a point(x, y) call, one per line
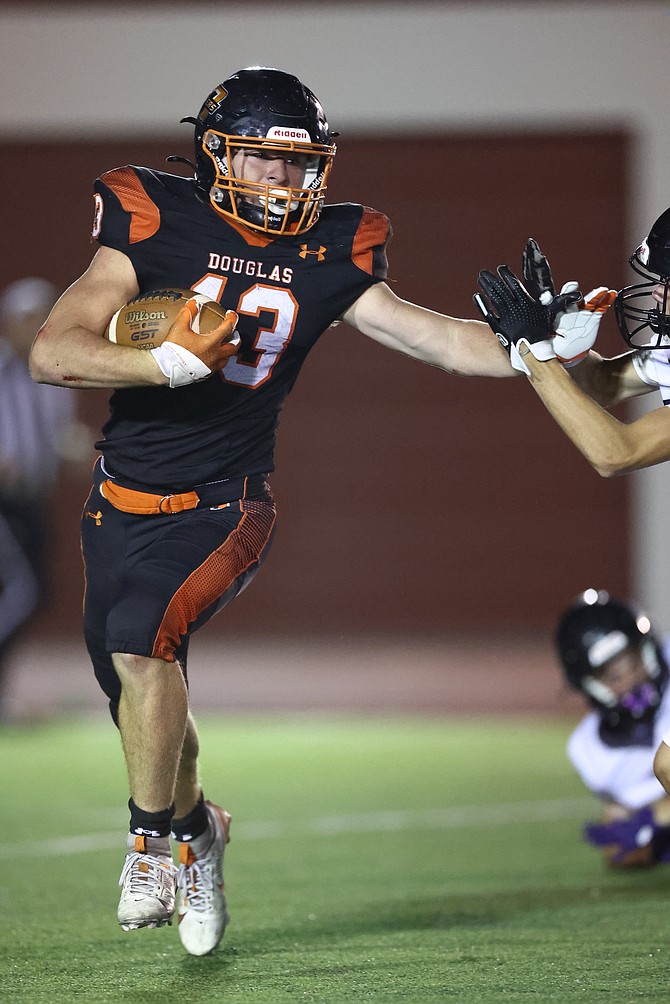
point(261, 108)
point(644, 323)
point(596, 628)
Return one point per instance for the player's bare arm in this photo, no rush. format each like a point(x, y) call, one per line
point(609, 381)
point(464, 347)
point(612, 447)
point(70, 349)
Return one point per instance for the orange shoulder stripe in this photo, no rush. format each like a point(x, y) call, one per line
point(145, 214)
point(372, 231)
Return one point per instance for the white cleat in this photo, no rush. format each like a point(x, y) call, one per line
point(202, 912)
point(148, 885)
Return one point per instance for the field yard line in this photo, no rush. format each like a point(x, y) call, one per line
point(364, 822)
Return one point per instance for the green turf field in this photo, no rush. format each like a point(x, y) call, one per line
point(372, 859)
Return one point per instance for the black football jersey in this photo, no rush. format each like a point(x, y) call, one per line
point(286, 290)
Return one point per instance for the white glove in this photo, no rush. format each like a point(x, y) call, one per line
point(576, 328)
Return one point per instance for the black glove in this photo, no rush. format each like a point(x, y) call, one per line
point(537, 277)
point(514, 316)
point(539, 282)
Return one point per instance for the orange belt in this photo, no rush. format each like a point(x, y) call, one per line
point(144, 503)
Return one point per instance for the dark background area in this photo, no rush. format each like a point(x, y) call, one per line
point(410, 500)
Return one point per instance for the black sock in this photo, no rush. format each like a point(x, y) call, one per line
point(150, 824)
point(191, 826)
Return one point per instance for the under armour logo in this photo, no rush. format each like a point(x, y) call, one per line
point(320, 253)
point(97, 516)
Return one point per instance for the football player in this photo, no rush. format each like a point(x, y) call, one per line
point(181, 516)
point(553, 346)
point(609, 652)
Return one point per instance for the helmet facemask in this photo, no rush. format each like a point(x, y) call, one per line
point(643, 322)
point(273, 209)
point(641, 699)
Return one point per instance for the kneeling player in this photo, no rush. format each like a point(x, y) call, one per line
point(610, 653)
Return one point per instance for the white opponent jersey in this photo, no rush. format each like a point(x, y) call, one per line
point(622, 774)
point(653, 366)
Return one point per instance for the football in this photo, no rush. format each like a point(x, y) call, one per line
point(143, 323)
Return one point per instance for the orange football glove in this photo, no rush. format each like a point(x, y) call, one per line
point(186, 356)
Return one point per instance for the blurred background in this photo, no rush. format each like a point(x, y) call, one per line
point(432, 528)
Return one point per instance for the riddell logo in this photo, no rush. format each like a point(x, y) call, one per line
point(320, 252)
point(301, 135)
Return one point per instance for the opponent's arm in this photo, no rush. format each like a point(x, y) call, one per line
point(611, 447)
point(610, 381)
point(465, 347)
point(575, 329)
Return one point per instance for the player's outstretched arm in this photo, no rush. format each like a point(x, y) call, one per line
point(611, 447)
point(457, 345)
point(70, 349)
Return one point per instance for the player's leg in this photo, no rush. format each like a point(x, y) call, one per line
point(203, 831)
point(152, 721)
point(188, 788)
point(189, 566)
point(148, 876)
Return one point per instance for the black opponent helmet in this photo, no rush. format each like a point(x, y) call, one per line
point(262, 108)
point(644, 323)
point(595, 629)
